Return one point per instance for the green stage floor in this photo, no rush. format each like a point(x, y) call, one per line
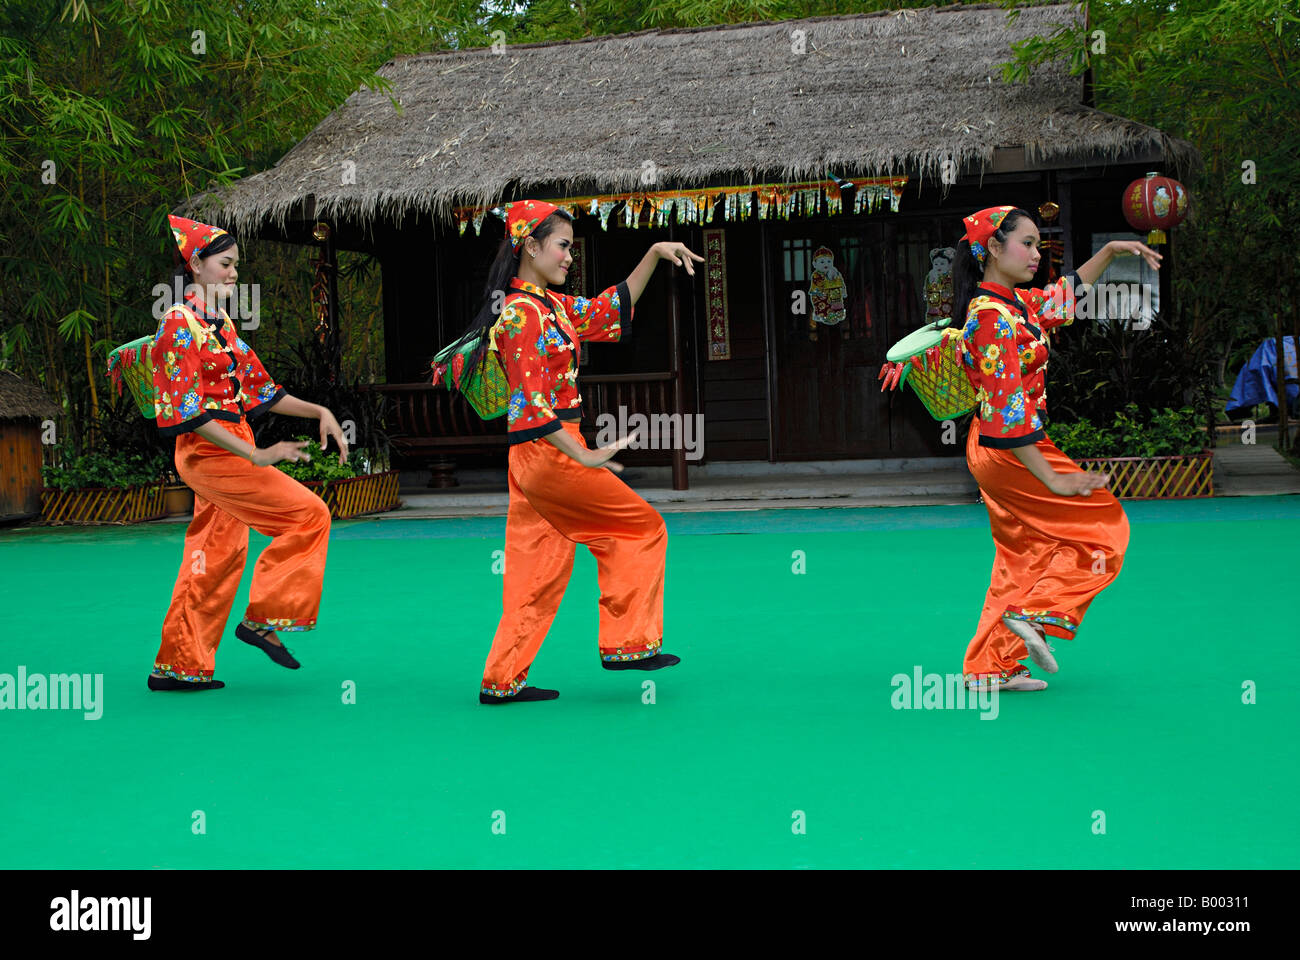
point(780, 715)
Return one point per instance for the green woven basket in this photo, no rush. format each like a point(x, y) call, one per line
point(942, 386)
point(132, 363)
point(486, 389)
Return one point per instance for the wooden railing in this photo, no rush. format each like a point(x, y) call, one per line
point(430, 423)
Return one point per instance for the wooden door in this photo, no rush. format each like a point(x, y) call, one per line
point(826, 399)
point(822, 400)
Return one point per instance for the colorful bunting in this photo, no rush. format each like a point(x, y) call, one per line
point(696, 206)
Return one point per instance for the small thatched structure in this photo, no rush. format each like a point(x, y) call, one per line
point(871, 94)
point(23, 406)
point(20, 400)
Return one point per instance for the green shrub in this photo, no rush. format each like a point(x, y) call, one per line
point(106, 470)
point(322, 466)
point(1167, 433)
point(1081, 439)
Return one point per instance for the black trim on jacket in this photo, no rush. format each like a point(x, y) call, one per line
point(1010, 443)
point(194, 423)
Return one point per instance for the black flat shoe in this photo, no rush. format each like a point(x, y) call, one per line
point(171, 683)
point(527, 693)
point(279, 654)
point(657, 662)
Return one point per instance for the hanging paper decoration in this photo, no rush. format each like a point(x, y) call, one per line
point(826, 290)
point(577, 279)
point(664, 210)
point(1051, 243)
point(781, 197)
point(1155, 204)
point(655, 204)
point(632, 211)
point(834, 198)
point(704, 204)
point(715, 264)
point(739, 203)
point(938, 284)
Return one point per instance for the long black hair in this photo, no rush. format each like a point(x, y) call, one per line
point(505, 266)
point(181, 277)
point(967, 272)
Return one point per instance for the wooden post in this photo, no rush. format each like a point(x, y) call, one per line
point(675, 365)
point(1295, 324)
point(332, 308)
point(771, 337)
point(1282, 426)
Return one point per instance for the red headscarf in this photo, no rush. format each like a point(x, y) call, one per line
point(523, 216)
point(982, 225)
point(191, 236)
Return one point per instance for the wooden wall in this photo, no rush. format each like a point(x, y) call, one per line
point(433, 277)
point(20, 468)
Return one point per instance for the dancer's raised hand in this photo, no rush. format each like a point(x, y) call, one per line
point(677, 253)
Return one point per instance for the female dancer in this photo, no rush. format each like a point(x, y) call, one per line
point(1060, 536)
point(209, 383)
point(560, 493)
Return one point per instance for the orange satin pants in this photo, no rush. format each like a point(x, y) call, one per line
point(1053, 555)
point(555, 504)
point(231, 495)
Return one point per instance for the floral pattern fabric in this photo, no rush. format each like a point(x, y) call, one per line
point(537, 337)
point(204, 371)
point(1004, 350)
point(522, 218)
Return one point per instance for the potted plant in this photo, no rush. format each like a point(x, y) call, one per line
point(1164, 457)
point(362, 485)
point(178, 499)
point(118, 487)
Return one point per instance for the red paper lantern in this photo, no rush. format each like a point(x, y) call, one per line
point(1155, 204)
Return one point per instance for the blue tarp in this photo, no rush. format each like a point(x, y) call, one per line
point(1257, 381)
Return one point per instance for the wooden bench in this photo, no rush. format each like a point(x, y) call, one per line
point(432, 424)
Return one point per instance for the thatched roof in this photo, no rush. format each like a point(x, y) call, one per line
point(874, 94)
point(20, 399)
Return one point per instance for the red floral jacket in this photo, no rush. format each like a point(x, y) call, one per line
point(537, 337)
point(1006, 360)
point(215, 377)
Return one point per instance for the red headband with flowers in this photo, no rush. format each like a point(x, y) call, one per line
point(191, 236)
point(982, 225)
point(523, 216)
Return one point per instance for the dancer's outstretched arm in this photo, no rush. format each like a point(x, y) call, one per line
point(290, 406)
point(663, 250)
point(291, 450)
point(1095, 267)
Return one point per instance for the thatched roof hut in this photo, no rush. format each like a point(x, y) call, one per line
point(907, 104)
point(871, 94)
point(20, 400)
